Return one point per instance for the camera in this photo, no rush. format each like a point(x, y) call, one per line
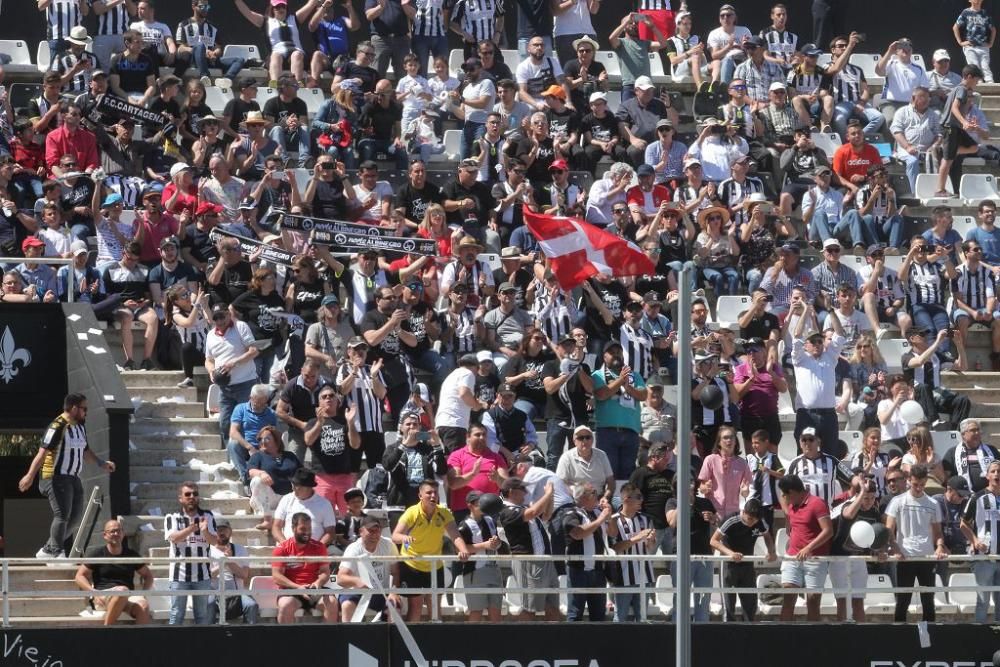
point(769, 298)
point(870, 486)
point(861, 37)
point(717, 129)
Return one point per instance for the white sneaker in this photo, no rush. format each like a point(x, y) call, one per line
point(42, 554)
point(206, 81)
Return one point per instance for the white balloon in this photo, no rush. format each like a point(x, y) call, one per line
point(862, 534)
point(911, 412)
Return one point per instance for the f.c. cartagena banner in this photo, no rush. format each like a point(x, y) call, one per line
point(249, 246)
point(340, 234)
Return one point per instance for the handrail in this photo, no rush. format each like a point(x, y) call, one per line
point(45, 260)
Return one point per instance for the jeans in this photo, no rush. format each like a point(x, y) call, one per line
point(522, 46)
point(65, 494)
point(724, 281)
point(923, 573)
point(239, 456)
point(580, 578)
point(57, 48)
point(934, 317)
point(891, 230)
point(80, 232)
point(263, 361)
point(676, 267)
point(426, 151)
point(622, 446)
point(821, 229)
point(199, 603)
point(556, 437)
point(727, 70)
point(251, 611)
point(912, 165)
point(369, 148)
point(702, 573)
point(105, 46)
point(845, 111)
point(527, 407)
point(628, 607)
point(979, 55)
point(231, 396)
point(345, 155)
point(231, 65)
point(390, 48)
point(424, 46)
point(280, 136)
point(471, 132)
point(824, 420)
point(628, 91)
point(431, 361)
point(754, 278)
point(987, 573)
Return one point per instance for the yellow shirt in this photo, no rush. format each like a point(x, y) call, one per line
point(427, 534)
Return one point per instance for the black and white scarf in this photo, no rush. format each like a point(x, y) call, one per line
point(962, 461)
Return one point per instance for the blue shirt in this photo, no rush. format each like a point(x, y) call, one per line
point(620, 410)
point(331, 37)
point(252, 422)
point(674, 168)
point(976, 26)
point(989, 241)
point(524, 239)
point(951, 237)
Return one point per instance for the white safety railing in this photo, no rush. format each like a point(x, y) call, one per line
point(4, 261)
point(13, 565)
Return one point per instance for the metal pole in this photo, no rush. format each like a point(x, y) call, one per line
point(682, 568)
point(221, 603)
point(5, 585)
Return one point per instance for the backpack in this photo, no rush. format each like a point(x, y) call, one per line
point(377, 485)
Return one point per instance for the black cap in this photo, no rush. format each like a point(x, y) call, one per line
point(959, 485)
point(811, 50)
point(506, 388)
point(754, 41)
point(468, 360)
point(567, 338)
point(353, 492)
point(754, 342)
point(303, 477)
point(875, 248)
point(472, 497)
point(915, 330)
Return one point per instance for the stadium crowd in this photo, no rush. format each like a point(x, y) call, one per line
point(499, 387)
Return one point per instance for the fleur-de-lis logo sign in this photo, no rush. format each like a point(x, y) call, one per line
point(10, 355)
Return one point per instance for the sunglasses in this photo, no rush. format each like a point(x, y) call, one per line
point(583, 437)
point(808, 438)
point(325, 165)
point(190, 494)
point(832, 251)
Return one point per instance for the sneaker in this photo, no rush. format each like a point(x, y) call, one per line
point(206, 81)
point(946, 357)
point(129, 365)
point(881, 333)
point(186, 382)
point(147, 365)
point(827, 129)
point(859, 249)
point(42, 554)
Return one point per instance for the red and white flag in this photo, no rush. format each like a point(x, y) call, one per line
point(579, 250)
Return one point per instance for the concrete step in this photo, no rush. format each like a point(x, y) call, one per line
point(174, 444)
point(169, 409)
point(175, 475)
point(150, 540)
point(152, 394)
point(163, 490)
point(156, 457)
point(75, 621)
point(47, 606)
point(984, 410)
point(168, 503)
point(175, 426)
point(160, 378)
point(986, 379)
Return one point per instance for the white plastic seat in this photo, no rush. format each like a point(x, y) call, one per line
point(781, 541)
point(249, 52)
point(664, 599)
point(892, 350)
point(513, 599)
point(313, 97)
point(510, 58)
point(452, 147)
point(212, 399)
point(43, 56)
point(787, 449)
point(610, 61)
point(455, 59)
point(217, 98)
point(852, 439)
point(879, 600)
point(460, 603)
point(264, 94)
point(867, 63)
point(127, 217)
point(824, 59)
point(656, 72)
point(20, 54)
point(963, 224)
point(894, 262)
point(302, 178)
point(966, 600)
point(492, 260)
point(927, 188)
point(728, 308)
point(974, 188)
point(918, 60)
point(945, 440)
point(563, 594)
point(614, 100)
point(828, 142)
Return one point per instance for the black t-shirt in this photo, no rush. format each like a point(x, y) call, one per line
point(301, 399)
point(378, 121)
point(258, 311)
point(367, 75)
point(199, 244)
point(109, 575)
point(182, 273)
point(235, 281)
point(531, 389)
point(740, 537)
point(673, 248)
point(602, 129)
point(162, 106)
point(570, 400)
point(237, 109)
point(132, 74)
point(416, 323)
point(388, 350)
point(518, 532)
point(486, 387)
point(701, 530)
point(79, 194)
point(656, 488)
point(478, 215)
point(614, 296)
point(538, 172)
point(277, 109)
point(331, 451)
point(581, 94)
point(658, 282)
point(306, 298)
point(193, 115)
point(521, 280)
point(329, 200)
point(563, 123)
point(842, 544)
point(499, 71)
point(761, 327)
point(414, 202)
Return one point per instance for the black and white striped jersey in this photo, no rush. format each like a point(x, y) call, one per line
point(820, 475)
point(928, 374)
point(637, 347)
point(62, 16)
point(80, 83)
point(115, 21)
point(65, 445)
point(764, 487)
point(803, 83)
point(195, 546)
point(590, 546)
point(193, 33)
point(880, 209)
point(369, 417)
point(974, 288)
point(555, 315)
point(781, 44)
point(429, 19)
point(982, 513)
point(653, 5)
point(633, 572)
point(847, 84)
point(733, 194)
point(463, 333)
point(925, 284)
point(478, 17)
point(888, 288)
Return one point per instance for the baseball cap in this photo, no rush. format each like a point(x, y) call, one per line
point(275, 3)
point(270, 238)
point(153, 190)
point(32, 242)
point(754, 342)
point(555, 91)
point(875, 248)
point(559, 164)
point(664, 122)
point(643, 83)
point(777, 85)
point(704, 356)
point(691, 163)
point(754, 41)
point(831, 243)
point(726, 7)
point(821, 170)
point(330, 300)
point(959, 485)
point(472, 497)
point(506, 388)
point(353, 492)
point(790, 247)
point(222, 522)
point(511, 251)
point(178, 167)
point(598, 96)
point(170, 240)
point(917, 330)
point(645, 170)
point(484, 355)
point(567, 338)
point(357, 341)
point(111, 200)
point(811, 50)
point(424, 392)
point(582, 428)
point(207, 207)
point(244, 83)
point(809, 430)
point(506, 287)
point(78, 247)
point(940, 54)
point(651, 297)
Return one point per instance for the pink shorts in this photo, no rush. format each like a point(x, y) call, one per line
point(333, 488)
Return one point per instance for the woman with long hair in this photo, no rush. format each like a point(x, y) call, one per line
point(868, 373)
point(524, 372)
point(726, 472)
point(716, 250)
point(921, 450)
point(260, 307)
point(334, 121)
point(189, 315)
point(192, 112)
point(435, 226)
point(271, 469)
point(874, 463)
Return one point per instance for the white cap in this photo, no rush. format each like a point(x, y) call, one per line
point(582, 428)
point(79, 247)
point(178, 168)
point(940, 54)
point(598, 95)
point(484, 355)
point(425, 393)
point(777, 85)
point(831, 243)
point(809, 430)
point(643, 83)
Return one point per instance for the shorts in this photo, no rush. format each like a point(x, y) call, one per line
point(376, 602)
point(452, 437)
point(954, 139)
point(101, 601)
point(333, 488)
point(853, 571)
point(285, 50)
point(483, 577)
point(308, 602)
point(958, 312)
point(796, 190)
point(531, 574)
point(884, 317)
point(134, 312)
point(410, 578)
point(804, 574)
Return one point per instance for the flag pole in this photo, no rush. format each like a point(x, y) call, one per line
point(682, 571)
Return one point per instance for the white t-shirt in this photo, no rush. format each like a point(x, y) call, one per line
point(374, 212)
point(231, 345)
point(900, 80)
point(316, 506)
point(155, 33)
point(719, 38)
point(473, 91)
point(896, 427)
point(574, 21)
point(415, 86)
point(853, 326)
point(381, 567)
point(239, 551)
point(537, 477)
point(914, 517)
point(452, 410)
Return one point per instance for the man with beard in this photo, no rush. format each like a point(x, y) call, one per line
point(605, 298)
point(619, 392)
point(423, 325)
point(236, 576)
point(191, 532)
point(357, 575)
point(302, 576)
point(330, 436)
point(382, 328)
point(469, 203)
point(417, 194)
point(98, 578)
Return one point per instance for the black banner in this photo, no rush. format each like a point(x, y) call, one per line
point(249, 246)
point(352, 235)
point(32, 364)
point(453, 644)
point(116, 106)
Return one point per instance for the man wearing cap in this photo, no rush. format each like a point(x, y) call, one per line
point(815, 381)
point(477, 99)
point(564, 124)
point(469, 202)
point(229, 361)
point(304, 499)
point(133, 74)
point(156, 224)
point(717, 147)
point(608, 193)
point(236, 577)
point(86, 280)
point(357, 575)
point(901, 74)
point(952, 504)
point(619, 391)
point(778, 120)
point(456, 402)
point(567, 385)
point(757, 382)
point(129, 279)
point(601, 134)
point(526, 535)
point(584, 74)
point(831, 274)
point(724, 44)
point(917, 129)
point(88, 99)
point(42, 276)
point(941, 78)
point(508, 429)
point(76, 64)
point(170, 271)
point(758, 72)
point(505, 325)
point(236, 109)
point(480, 534)
point(638, 116)
point(560, 197)
point(786, 273)
point(811, 100)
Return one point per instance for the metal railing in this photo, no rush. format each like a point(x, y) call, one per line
point(70, 279)
point(644, 589)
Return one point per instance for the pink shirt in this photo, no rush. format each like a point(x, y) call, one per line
point(761, 399)
point(727, 476)
point(803, 525)
point(462, 460)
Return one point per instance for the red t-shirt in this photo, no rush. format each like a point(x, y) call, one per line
point(185, 200)
point(803, 525)
point(300, 573)
point(648, 201)
point(847, 163)
point(443, 242)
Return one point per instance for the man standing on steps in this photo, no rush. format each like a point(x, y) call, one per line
point(191, 533)
point(60, 458)
point(229, 355)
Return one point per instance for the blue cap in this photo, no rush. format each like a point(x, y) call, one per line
point(152, 189)
point(112, 199)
